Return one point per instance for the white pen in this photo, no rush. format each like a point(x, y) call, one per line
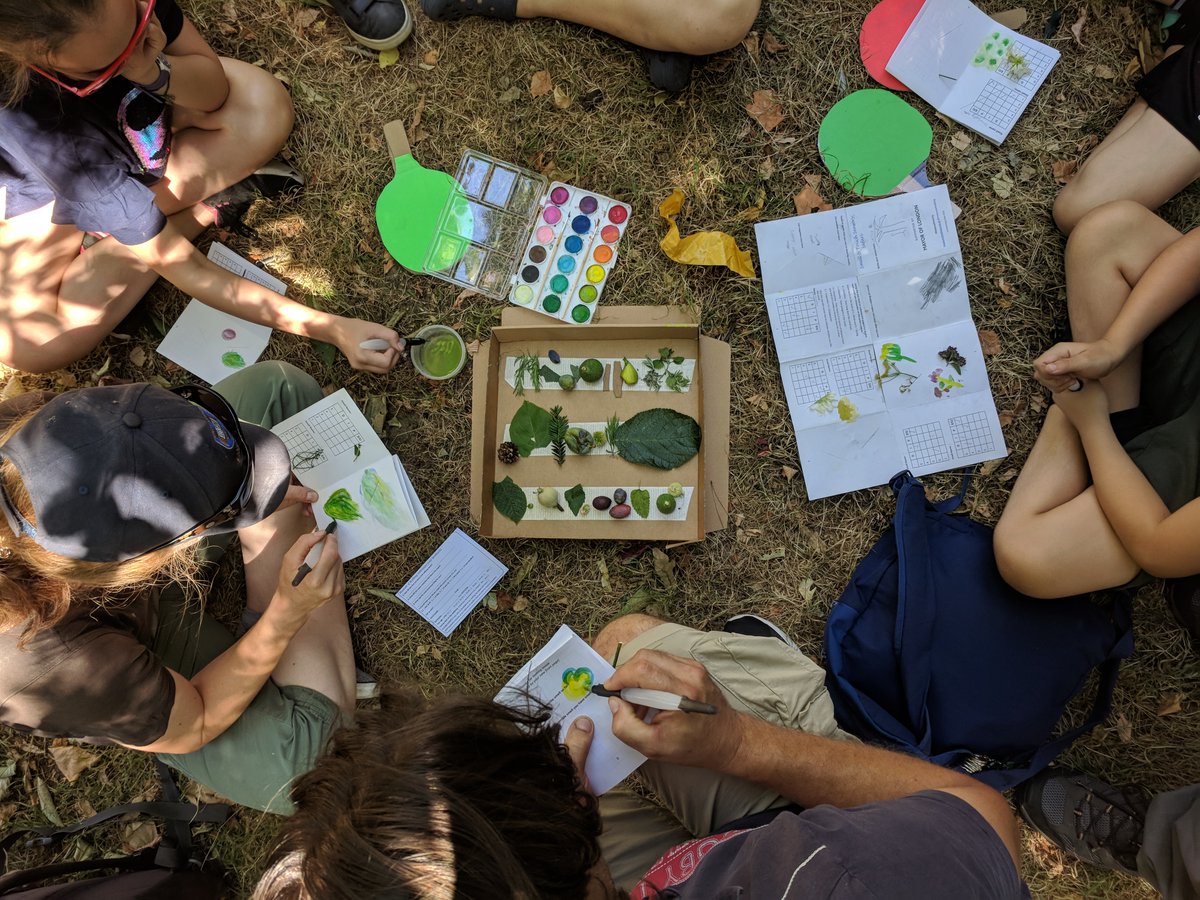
point(656, 699)
point(381, 344)
point(313, 555)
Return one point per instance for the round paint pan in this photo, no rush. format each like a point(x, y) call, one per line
point(443, 354)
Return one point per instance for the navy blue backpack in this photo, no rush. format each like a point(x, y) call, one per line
point(930, 652)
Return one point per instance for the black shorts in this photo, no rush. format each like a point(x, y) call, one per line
point(1172, 88)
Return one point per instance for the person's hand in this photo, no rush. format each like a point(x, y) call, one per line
point(325, 581)
point(142, 65)
point(1068, 363)
point(578, 742)
point(349, 335)
point(298, 493)
point(1086, 405)
point(687, 739)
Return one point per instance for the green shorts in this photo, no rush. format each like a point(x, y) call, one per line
point(284, 729)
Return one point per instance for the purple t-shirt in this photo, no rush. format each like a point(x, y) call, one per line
point(928, 846)
point(93, 157)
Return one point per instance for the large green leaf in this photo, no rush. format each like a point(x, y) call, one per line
point(530, 428)
point(509, 499)
point(662, 438)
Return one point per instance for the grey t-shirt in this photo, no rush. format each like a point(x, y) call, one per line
point(928, 846)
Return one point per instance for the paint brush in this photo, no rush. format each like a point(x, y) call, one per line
point(313, 555)
point(381, 344)
point(656, 699)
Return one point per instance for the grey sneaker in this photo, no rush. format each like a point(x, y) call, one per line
point(376, 24)
point(1091, 819)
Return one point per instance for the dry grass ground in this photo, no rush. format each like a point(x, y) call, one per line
point(632, 143)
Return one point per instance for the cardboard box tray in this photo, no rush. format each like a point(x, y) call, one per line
point(617, 332)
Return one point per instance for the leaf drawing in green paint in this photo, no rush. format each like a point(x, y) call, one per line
point(341, 506)
point(380, 501)
point(233, 360)
point(824, 405)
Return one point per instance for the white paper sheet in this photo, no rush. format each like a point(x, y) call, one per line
point(970, 67)
point(859, 340)
point(212, 344)
point(452, 582)
point(334, 449)
point(560, 675)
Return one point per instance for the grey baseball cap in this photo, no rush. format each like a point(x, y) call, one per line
point(114, 472)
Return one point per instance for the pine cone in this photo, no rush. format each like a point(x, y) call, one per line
point(507, 452)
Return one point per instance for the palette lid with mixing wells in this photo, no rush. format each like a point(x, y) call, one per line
point(483, 228)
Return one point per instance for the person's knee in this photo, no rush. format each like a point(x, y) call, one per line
point(622, 630)
point(261, 104)
point(1021, 561)
point(723, 24)
point(1099, 230)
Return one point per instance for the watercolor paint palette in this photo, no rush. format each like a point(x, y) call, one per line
point(549, 247)
point(570, 254)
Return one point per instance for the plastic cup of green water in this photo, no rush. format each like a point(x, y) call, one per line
point(442, 355)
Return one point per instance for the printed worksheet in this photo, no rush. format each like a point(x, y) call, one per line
point(359, 481)
point(452, 582)
point(879, 357)
point(970, 67)
point(561, 676)
point(211, 344)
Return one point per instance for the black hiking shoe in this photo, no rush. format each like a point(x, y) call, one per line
point(275, 179)
point(1095, 821)
point(453, 10)
point(756, 626)
point(670, 72)
point(376, 24)
point(1183, 599)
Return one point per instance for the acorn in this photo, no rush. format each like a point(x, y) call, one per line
point(508, 452)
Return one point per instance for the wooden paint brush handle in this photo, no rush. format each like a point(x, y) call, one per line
point(397, 139)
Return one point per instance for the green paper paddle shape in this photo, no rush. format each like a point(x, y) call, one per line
point(410, 206)
point(871, 140)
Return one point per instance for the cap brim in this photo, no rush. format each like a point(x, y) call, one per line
point(272, 475)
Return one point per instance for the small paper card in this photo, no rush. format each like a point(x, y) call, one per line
point(212, 344)
point(452, 582)
point(561, 676)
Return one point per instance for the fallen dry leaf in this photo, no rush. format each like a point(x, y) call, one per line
point(431, 58)
point(750, 42)
point(1005, 287)
point(388, 58)
point(138, 836)
point(989, 467)
point(72, 760)
point(1064, 170)
point(1108, 73)
point(766, 109)
point(13, 388)
point(664, 567)
point(1002, 184)
point(1171, 704)
point(521, 603)
point(1077, 28)
point(750, 213)
point(1132, 67)
point(809, 201)
point(989, 342)
point(504, 601)
point(137, 356)
point(766, 168)
point(1013, 18)
point(960, 140)
point(1124, 729)
point(306, 17)
point(1037, 403)
point(512, 95)
point(788, 473)
point(436, 653)
point(1005, 419)
point(813, 181)
point(472, 348)
point(540, 84)
point(772, 44)
point(561, 98)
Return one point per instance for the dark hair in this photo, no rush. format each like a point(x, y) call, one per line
point(456, 797)
point(29, 32)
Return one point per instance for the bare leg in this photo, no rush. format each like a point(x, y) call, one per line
point(696, 27)
point(56, 304)
point(1144, 159)
point(320, 656)
point(622, 630)
point(1053, 539)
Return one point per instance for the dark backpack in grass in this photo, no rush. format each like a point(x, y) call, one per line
point(930, 652)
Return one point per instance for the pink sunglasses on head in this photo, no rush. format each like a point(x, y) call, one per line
point(107, 75)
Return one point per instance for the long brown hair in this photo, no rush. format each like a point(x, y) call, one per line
point(38, 588)
point(29, 32)
point(457, 798)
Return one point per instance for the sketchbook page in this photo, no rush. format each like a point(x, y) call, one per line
point(917, 295)
point(927, 366)
point(819, 319)
point(804, 251)
point(937, 47)
point(371, 506)
point(838, 387)
point(213, 345)
point(960, 431)
point(990, 99)
point(330, 441)
point(452, 582)
point(561, 675)
point(848, 456)
point(414, 502)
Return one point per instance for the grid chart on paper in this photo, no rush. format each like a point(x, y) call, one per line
point(1037, 62)
point(798, 315)
point(810, 380)
point(971, 434)
point(997, 103)
point(926, 445)
point(300, 443)
point(334, 427)
point(854, 373)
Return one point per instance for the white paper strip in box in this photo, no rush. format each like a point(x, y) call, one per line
point(687, 367)
point(587, 511)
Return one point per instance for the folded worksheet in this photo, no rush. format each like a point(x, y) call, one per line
point(452, 582)
point(212, 344)
point(970, 67)
point(561, 676)
point(359, 481)
point(881, 363)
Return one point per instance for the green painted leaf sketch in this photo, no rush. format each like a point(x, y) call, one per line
point(575, 498)
point(509, 499)
point(233, 360)
point(640, 501)
point(380, 501)
point(341, 506)
point(530, 428)
point(662, 438)
point(825, 405)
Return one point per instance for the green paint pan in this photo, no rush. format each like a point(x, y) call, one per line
point(410, 205)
